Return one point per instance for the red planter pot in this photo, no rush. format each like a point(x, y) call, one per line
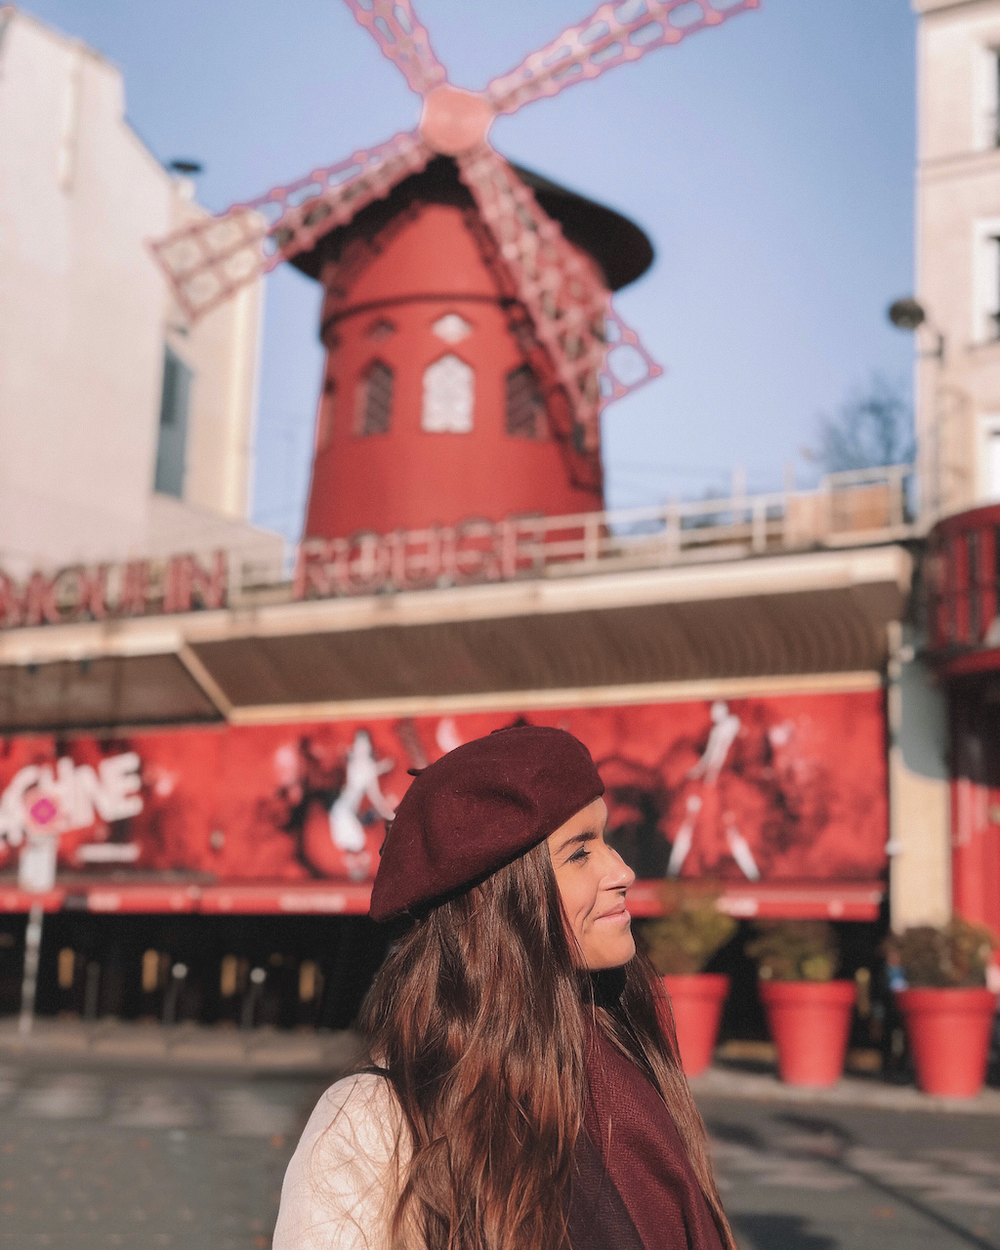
point(949, 1032)
point(697, 1002)
point(809, 1022)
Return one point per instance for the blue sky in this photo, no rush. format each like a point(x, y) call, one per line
point(770, 161)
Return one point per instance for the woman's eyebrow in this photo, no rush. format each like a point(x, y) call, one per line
point(588, 835)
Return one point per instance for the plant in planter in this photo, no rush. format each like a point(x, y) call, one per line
point(946, 1006)
point(808, 1011)
point(680, 945)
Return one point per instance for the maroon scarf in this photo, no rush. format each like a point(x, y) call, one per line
point(633, 1185)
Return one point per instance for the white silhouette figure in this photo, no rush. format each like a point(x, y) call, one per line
point(447, 734)
point(363, 772)
point(739, 848)
point(725, 727)
point(685, 837)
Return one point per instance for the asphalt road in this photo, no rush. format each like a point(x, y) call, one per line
point(132, 1159)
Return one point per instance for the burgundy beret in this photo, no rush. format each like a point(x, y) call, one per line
point(478, 808)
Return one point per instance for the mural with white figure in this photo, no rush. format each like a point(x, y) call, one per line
point(788, 787)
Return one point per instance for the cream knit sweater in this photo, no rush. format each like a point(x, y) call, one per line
point(341, 1184)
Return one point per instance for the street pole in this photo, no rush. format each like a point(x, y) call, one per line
point(36, 875)
point(29, 983)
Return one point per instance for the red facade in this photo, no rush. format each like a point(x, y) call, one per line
point(763, 793)
point(963, 624)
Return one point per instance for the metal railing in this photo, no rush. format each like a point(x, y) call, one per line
point(847, 509)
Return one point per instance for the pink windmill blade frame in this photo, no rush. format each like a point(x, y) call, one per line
point(208, 260)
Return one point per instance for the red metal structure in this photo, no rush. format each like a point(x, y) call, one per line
point(963, 608)
point(471, 339)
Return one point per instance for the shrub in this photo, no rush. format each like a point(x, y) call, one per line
point(795, 950)
point(952, 956)
point(690, 931)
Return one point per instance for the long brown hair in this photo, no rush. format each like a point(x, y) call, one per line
point(478, 1017)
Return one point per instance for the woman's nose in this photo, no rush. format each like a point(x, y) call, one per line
point(620, 875)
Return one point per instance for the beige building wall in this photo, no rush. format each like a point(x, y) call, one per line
point(958, 252)
point(84, 319)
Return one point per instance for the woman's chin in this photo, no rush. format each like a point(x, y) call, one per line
point(612, 954)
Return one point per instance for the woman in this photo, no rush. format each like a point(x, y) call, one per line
point(524, 1092)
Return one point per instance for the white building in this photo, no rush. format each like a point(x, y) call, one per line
point(958, 251)
point(124, 431)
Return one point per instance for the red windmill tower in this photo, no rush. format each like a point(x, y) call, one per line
point(471, 342)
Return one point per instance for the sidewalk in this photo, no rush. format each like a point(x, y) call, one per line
point(268, 1050)
point(102, 1042)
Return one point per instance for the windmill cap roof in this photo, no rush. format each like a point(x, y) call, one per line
point(620, 247)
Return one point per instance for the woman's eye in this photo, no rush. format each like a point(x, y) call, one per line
point(578, 857)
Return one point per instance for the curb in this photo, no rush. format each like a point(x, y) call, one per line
point(871, 1095)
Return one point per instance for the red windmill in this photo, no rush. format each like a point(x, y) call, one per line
point(471, 342)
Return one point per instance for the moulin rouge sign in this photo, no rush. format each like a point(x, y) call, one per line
point(111, 591)
point(474, 551)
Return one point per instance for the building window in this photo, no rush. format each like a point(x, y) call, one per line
point(448, 397)
point(451, 328)
point(988, 466)
point(986, 281)
point(171, 450)
point(525, 406)
point(993, 464)
point(375, 399)
point(324, 431)
point(993, 309)
point(380, 330)
point(986, 93)
point(993, 120)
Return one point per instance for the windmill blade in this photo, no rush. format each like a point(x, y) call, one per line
point(612, 35)
point(402, 38)
point(569, 307)
point(209, 259)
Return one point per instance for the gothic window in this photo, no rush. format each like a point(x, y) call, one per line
point(326, 411)
point(451, 328)
point(525, 406)
point(448, 397)
point(381, 329)
point(375, 399)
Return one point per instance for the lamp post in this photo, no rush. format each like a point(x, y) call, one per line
point(909, 314)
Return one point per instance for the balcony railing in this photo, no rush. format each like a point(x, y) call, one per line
point(847, 509)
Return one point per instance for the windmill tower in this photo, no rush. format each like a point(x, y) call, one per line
point(471, 341)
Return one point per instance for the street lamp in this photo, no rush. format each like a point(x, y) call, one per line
point(909, 314)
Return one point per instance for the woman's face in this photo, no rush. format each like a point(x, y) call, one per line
point(592, 880)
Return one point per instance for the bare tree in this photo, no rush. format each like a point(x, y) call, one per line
point(872, 428)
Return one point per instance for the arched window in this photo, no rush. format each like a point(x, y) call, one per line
point(525, 406)
point(375, 399)
point(326, 413)
point(449, 385)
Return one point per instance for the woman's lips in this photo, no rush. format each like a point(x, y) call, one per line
point(620, 913)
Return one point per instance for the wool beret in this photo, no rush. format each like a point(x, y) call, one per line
point(476, 809)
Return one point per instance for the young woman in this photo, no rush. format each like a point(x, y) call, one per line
point(524, 1091)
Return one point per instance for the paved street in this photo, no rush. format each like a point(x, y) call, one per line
point(826, 1177)
point(135, 1159)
